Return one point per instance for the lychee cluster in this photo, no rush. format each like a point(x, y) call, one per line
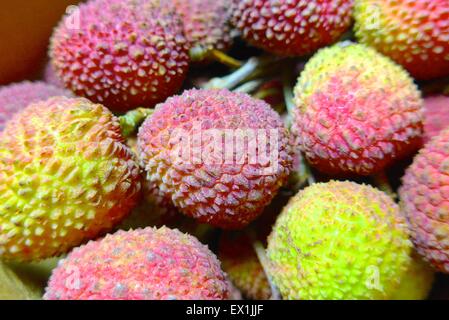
point(356, 111)
point(144, 264)
point(123, 54)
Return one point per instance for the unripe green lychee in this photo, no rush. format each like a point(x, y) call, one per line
point(339, 240)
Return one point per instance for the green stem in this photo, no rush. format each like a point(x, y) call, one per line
point(260, 252)
point(249, 86)
point(131, 121)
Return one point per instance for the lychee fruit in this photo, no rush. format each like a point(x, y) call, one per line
point(16, 97)
point(206, 25)
point(66, 176)
point(436, 116)
point(357, 112)
point(121, 53)
point(291, 28)
point(425, 200)
point(339, 240)
point(144, 264)
point(219, 156)
point(414, 33)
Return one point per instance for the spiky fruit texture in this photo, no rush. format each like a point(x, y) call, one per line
point(425, 200)
point(417, 282)
point(357, 111)
point(436, 116)
point(16, 97)
point(206, 151)
point(414, 33)
point(13, 287)
point(144, 264)
point(206, 25)
point(292, 28)
point(65, 177)
point(339, 240)
point(240, 262)
point(123, 54)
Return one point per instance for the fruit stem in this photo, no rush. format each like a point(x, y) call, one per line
point(225, 59)
point(260, 251)
point(241, 75)
point(130, 121)
point(381, 181)
point(288, 89)
point(250, 86)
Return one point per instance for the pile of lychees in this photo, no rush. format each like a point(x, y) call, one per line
point(220, 149)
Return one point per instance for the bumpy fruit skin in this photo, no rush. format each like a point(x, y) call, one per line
point(125, 54)
point(66, 176)
point(417, 281)
point(339, 240)
point(291, 28)
point(144, 264)
point(187, 163)
point(240, 262)
point(206, 25)
point(357, 111)
point(414, 33)
point(16, 97)
point(425, 200)
point(436, 116)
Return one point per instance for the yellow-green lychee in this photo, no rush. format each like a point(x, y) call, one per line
point(339, 240)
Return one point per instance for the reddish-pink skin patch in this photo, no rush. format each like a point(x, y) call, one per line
point(292, 28)
point(344, 133)
point(436, 114)
point(16, 97)
point(425, 200)
point(144, 264)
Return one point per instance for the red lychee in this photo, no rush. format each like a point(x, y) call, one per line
point(218, 156)
point(121, 53)
point(291, 28)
